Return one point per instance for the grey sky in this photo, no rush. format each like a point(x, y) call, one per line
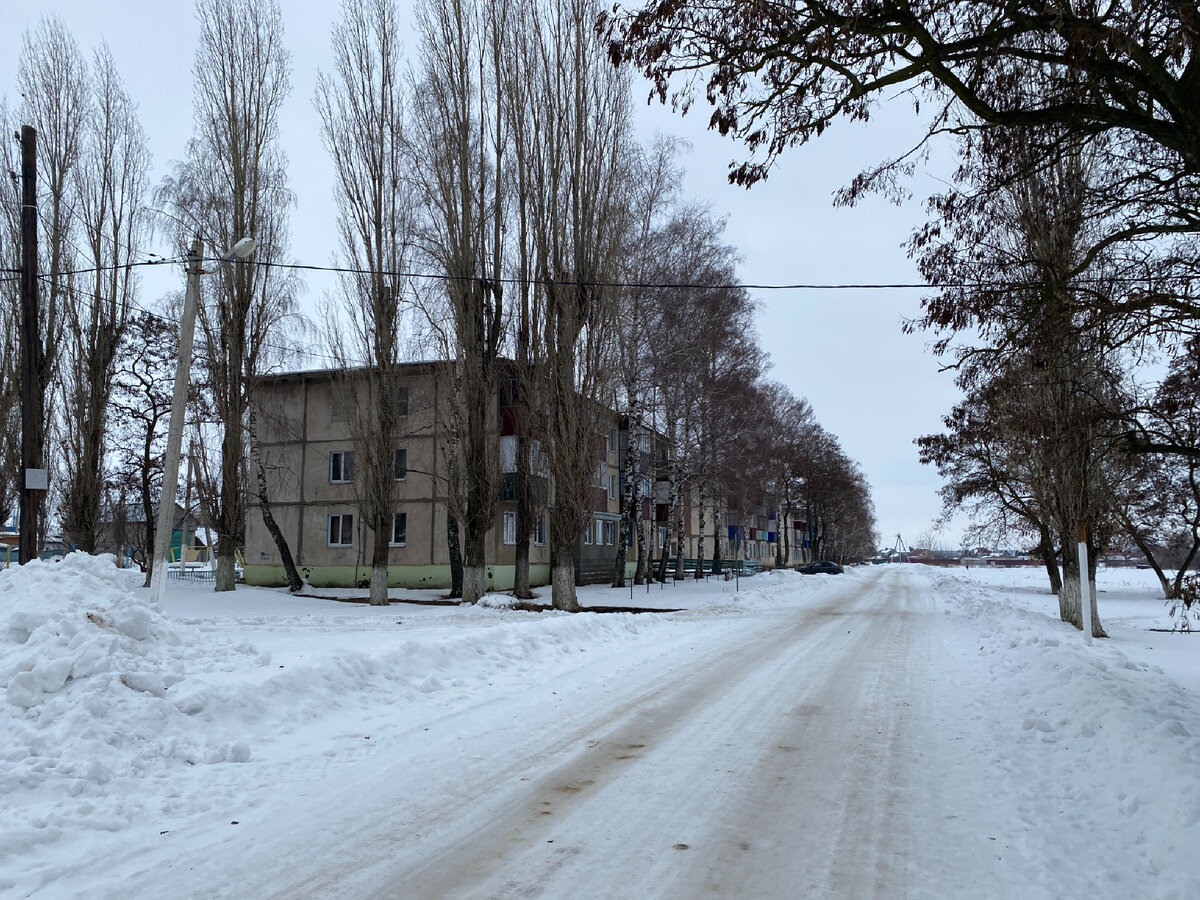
point(874, 387)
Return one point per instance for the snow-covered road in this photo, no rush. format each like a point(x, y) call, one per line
point(771, 759)
point(773, 767)
point(897, 732)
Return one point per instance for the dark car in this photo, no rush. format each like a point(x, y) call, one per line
point(822, 567)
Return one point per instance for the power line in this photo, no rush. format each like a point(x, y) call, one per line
point(634, 285)
point(86, 299)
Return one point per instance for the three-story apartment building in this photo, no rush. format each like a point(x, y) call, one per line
point(306, 438)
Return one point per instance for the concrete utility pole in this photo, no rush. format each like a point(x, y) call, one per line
point(183, 368)
point(33, 476)
point(170, 481)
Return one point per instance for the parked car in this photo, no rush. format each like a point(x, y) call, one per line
point(822, 567)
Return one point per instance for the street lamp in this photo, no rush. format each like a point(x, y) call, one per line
point(183, 367)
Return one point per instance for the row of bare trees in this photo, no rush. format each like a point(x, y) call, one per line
point(500, 161)
point(1066, 245)
point(556, 262)
point(93, 168)
point(105, 359)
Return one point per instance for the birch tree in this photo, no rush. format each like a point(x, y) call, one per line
point(362, 117)
point(654, 176)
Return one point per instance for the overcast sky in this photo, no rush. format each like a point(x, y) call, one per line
point(872, 386)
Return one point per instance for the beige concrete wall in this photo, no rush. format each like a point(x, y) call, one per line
point(297, 439)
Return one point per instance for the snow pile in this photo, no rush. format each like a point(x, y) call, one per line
point(1094, 747)
point(89, 672)
point(116, 716)
point(88, 667)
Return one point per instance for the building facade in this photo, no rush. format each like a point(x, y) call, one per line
point(308, 450)
point(306, 441)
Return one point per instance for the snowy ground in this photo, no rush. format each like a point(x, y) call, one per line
point(896, 732)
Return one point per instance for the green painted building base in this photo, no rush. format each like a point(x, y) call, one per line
point(499, 578)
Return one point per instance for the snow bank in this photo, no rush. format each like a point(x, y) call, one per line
point(89, 672)
point(1098, 748)
point(118, 717)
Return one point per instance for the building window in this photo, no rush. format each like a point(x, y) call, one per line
point(400, 464)
point(612, 487)
point(610, 531)
point(612, 440)
point(539, 530)
point(402, 400)
point(587, 534)
point(508, 392)
point(539, 463)
point(629, 532)
point(341, 466)
point(662, 536)
point(340, 532)
point(601, 475)
point(399, 529)
point(508, 453)
point(510, 527)
point(337, 406)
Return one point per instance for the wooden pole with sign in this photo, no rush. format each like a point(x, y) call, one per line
point(33, 482)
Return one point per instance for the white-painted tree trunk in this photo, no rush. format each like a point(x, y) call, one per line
point(1085, 593)
point(379, 585)
point(1070, 605)
point(563, 592)
point(474, 583)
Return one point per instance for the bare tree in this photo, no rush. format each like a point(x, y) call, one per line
point(10, 316)
point(1160, 506)
point(52, 77)
point(233, 185)
point(362, 118)
point(987, 459)
point(526, 387)
point(1014, 249)
point(578, 122)
point(686, 251)
point(836, 501)
point(140, 406)
point(779, 75)
point(459, 142)
point(111, 183)
point(654, 177)
point(787, 422)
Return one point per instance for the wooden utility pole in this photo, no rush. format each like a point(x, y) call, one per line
point(33, 476)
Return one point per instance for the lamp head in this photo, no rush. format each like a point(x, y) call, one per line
point(241, 250)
